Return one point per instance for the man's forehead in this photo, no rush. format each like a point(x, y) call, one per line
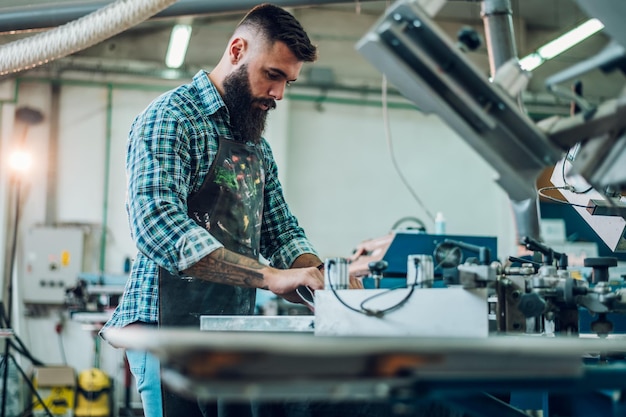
point(280, 58)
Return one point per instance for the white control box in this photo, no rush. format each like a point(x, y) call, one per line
point(426, 312)
point(53, 259)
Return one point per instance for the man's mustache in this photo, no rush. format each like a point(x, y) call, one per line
point(270, 103)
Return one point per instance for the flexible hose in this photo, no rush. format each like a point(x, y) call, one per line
point(79, 34)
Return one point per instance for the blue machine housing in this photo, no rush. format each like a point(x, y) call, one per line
point(405, 243)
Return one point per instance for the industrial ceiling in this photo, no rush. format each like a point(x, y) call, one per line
point(335, 27)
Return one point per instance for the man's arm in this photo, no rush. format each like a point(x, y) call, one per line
point(227, 267)
point(307, 260)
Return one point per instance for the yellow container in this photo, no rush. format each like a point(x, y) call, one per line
point(55, 386)
point(93, 394)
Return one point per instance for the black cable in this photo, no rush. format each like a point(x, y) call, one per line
point(381, 313)
point(34, 390)
point(19, 347)
point(13, 254)
point(7, 313)
point(22, 350)
point(571, 188)
point(6, 316)
point(420, 223)
point(367, 311)
point(399, 303)
point(556, 200)
point(378, 313)
point(332, 288)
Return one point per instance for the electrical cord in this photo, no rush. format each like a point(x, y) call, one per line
point(6, 311)
point(332, 288)
point(17, 344)
point(375, 312)
point(556, 200)
point(7, 314)
point(421, 225)
point(572, 189)
point(381, 313)
point(392, 154)
point(367, 311)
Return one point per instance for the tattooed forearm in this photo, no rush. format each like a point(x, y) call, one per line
point(226, 267)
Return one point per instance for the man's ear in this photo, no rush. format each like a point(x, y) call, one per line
point(236, 50)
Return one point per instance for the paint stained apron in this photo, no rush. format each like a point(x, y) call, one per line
point(229, 204)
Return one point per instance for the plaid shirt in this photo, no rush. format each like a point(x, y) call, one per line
point(170, 149)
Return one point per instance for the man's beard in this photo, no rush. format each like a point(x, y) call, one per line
point(246, 117)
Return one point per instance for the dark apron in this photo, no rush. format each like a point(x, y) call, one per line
point(230, 205)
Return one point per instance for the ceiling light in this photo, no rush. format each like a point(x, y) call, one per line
point(176, 50)
point(561, 44)
point(20, 161)
point(530, 62)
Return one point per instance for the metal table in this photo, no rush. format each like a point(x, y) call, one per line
point(292, 365)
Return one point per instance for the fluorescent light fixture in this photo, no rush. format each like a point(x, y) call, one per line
point(530, 62)
point(561, 44)
point(176, 50)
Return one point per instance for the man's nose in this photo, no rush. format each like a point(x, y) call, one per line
point(277, 90)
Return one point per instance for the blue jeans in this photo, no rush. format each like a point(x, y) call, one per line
point(146, 369)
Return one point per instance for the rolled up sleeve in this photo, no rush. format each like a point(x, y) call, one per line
point(160, 166)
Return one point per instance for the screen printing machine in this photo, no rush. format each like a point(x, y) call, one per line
point(440, 316)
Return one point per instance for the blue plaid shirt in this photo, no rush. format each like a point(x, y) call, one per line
point(170, 149)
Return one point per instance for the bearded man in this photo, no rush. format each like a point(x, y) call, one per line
point(204, 201)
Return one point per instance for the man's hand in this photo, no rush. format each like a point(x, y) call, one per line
point(283, 282)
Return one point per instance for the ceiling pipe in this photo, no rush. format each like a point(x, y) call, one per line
point(498, 22)
point(78, 34)
point(33, 17)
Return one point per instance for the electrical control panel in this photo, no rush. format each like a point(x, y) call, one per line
point(53, 259)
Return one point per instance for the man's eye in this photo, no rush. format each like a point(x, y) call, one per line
point(273, 76)
point(289, 83)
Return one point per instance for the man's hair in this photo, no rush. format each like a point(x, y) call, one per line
point(276, 24)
